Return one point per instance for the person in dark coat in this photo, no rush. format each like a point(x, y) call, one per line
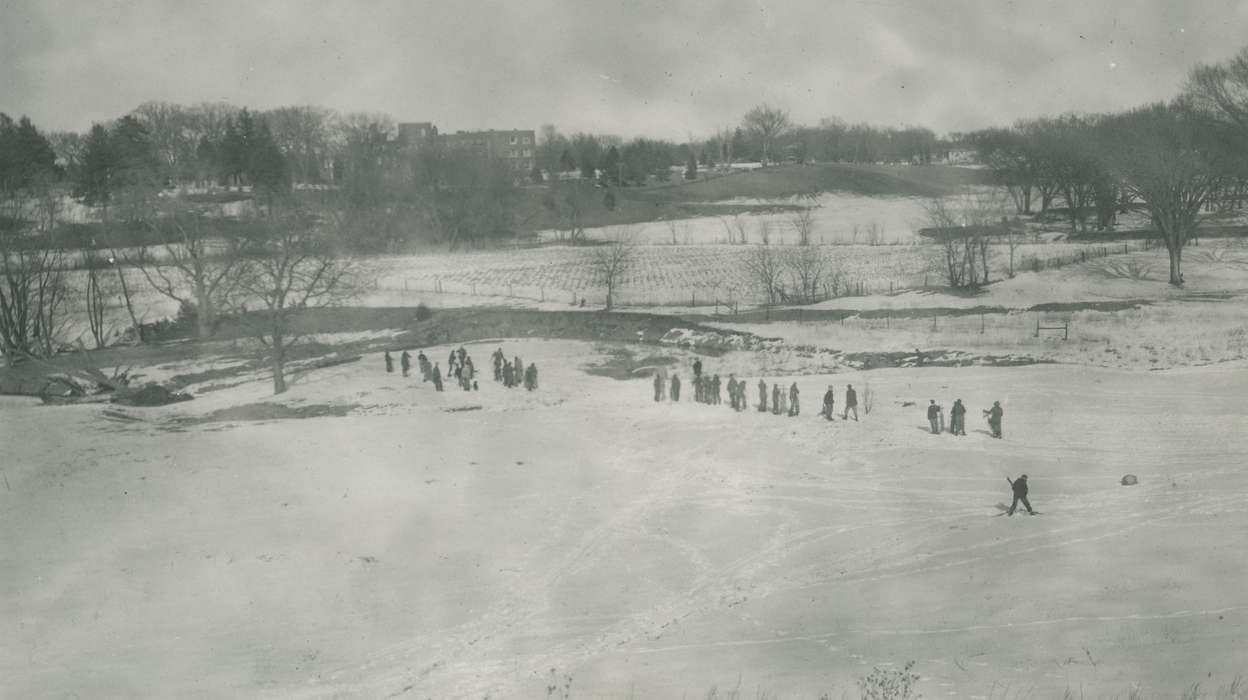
point(389, 362)
point(450, 363)
point(1020, 494)
point(675, 393)
point(715, 390)
point(994, 418)
point(957, 418)
point(775, 399)
point(851, 403)
point(794, 409)
point(732, 391)
point(437, 378)
point(530, 377)
point(658, 387)
point(425, 369)
point(507, 372)
point(517, 371)
point(829, 403)
point(933, 416)
point(762, 396)
point(405, 361)
point(697, 368)
point(498, 364)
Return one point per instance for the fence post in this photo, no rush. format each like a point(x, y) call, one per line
point(981, 324)
point(1066, 330)
point(1037, 325)
point(693, 298)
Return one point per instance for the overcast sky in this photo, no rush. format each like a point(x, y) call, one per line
point(629, 67)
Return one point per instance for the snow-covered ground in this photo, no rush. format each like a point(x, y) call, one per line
point(467, 545)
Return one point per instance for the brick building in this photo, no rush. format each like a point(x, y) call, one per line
point(518, 147)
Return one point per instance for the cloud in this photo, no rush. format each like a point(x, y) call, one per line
point(630, 67)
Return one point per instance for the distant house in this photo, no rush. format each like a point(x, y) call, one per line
point(517, 147)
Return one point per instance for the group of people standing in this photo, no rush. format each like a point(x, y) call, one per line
point(957, 418)
point(460, 366)
point(513, 373)
point(783, 402)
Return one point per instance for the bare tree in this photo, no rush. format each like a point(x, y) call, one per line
point(803, 223)
point(200, 268)
point(1174, 159)
point(808, 272)
point(99, 290)
point(292, 266)
point(764, 231)
point(613, 260)
point(32, 284)
point(768, 123)
point(766, 270)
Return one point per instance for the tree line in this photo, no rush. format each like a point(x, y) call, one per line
point(1175, 160)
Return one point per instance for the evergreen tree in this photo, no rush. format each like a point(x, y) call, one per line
point(691, 168)
point(26, 156)
point(566, 162)
point(611, 166)
point(93, 185)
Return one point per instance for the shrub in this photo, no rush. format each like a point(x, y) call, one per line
point(423, 313)
point(884, 684)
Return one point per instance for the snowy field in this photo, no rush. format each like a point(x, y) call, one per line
point(838, 218)
point(470, 545)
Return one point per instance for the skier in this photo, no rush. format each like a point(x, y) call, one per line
point(851, 403)
point(675, 387)
point(389, 362)
point(829, 404)
point(933, 415)
point(658, 387)
point(762, 396)
point(957, 418)
point(437, 378)
point(1020, 494)
point(450, 363)
point(405, 361)
point(794, 409)
point(425, 369)
point(994, 418)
